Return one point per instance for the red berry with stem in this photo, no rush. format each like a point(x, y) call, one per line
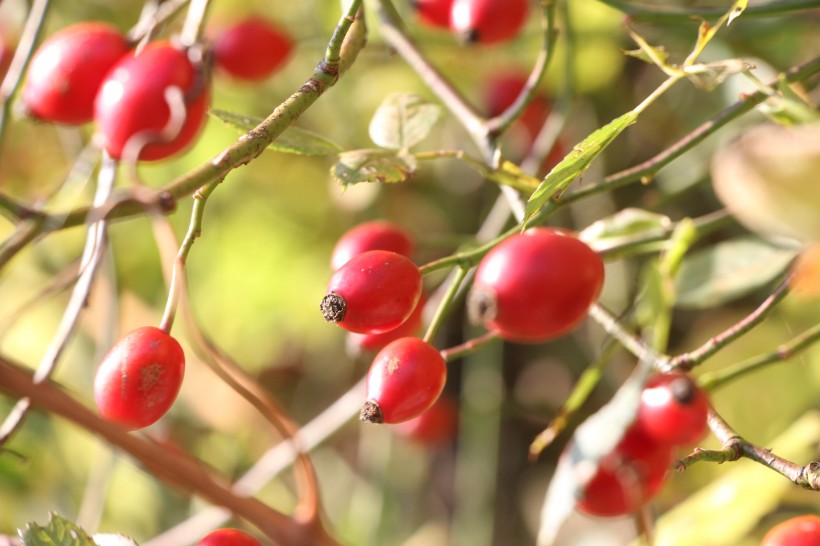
point(435, 426)
point(152, 103)
point(252, 49)
point(673, 409)
point(488, 21)
point(372, 293)
point(627, 478)
point(67, 70)
point(139, 378)
point(797, 531)
point(536, 285)
point(405, 379)
point(375, 235)
point(434, 13)
point(228, 537)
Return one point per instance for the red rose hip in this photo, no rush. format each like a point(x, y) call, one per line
point(139, 378)
point(673, 409)
point(488, 21)
point(252, 49)
point(435, 426)
point(405, 379)
point(797, 531)
point(536, 285)
point(228, 537)
point(67, 70)
point(372, 293)
point(134, 105)
point(434, 13)
point(375, 235)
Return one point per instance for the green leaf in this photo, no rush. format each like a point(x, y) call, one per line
point(729, 270)
point(576, 163)
point(403, 120)
point(642, 55)
point(737, 10)
point(624, 226)
point(593, 439)
point(373, 165)
point(292, 141)
point(57, 532)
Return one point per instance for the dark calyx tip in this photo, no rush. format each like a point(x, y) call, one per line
point(482, 305)
point(469, 36)
point(333, 307)
point(683, 390)
point(371, 413)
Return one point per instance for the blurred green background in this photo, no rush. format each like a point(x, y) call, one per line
point(261, 266)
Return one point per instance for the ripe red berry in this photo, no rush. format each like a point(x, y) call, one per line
point(139, 378)
point(375, 235)
point(252, 49)
point(535, 285)
point(372, 293)
point(132, 106)
point(67, 70)
point(488, 21)
point(435, 426)
point(228, 537)
point(797, 531)
point(628, 477)
point(405, 379)
point(673, 409)
point(434, 13)
point(374, 342)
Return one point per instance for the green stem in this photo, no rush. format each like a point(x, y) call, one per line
point(796, 345)
point(446, 301)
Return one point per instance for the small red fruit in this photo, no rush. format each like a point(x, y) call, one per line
point(67, 70)
point(405, 379)
point(372, 293)
point(488, 21)
point(252, 49)
point(132, 107)
point(673, 410)
point(434, 13)
point(536, 285)
point(435, 426)
point(375, 235)
point(797, 531)
point(139, 378)
point(228, 537)
point(628, 477)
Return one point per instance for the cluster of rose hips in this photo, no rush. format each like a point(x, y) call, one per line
point(532, 287)
point(147, 103)
point(672, 413)
point(478, 21)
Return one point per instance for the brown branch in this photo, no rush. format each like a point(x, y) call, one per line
point(171, 466)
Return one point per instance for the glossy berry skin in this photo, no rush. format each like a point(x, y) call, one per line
point(132, 104)
point(252, 49)
point(536, 285)
point(375, 235)
point(673, 409)
point(372, 293)
point(375, 342)
point(228, 537)
point(405, 379)
point(488, 21)
point(139, 378)
point(433, 13)
point(67, 70)
point(628, 477)
point(797, 531)
point(434, 427)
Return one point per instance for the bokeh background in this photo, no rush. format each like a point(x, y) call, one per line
point(261, 266)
